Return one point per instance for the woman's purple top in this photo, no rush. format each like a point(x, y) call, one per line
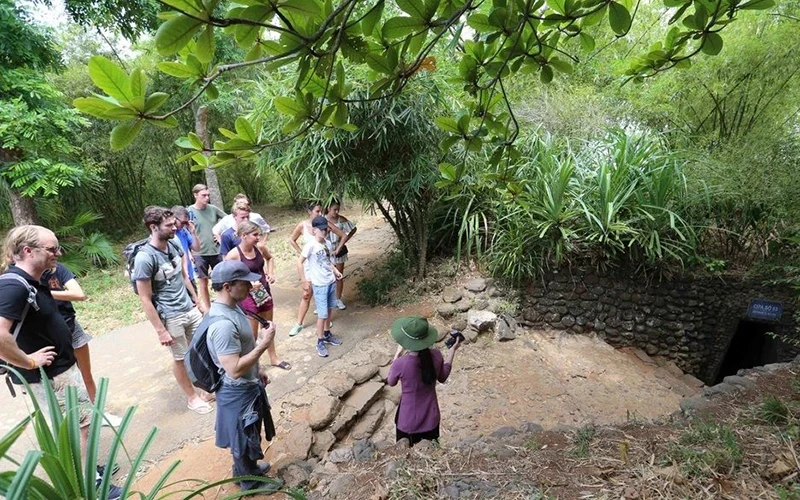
point(419, 407)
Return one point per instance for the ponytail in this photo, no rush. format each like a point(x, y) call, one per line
point(427, 370)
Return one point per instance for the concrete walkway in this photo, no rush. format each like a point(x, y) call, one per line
point(140, 374)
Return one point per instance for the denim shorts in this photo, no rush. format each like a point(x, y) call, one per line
point(324, 299)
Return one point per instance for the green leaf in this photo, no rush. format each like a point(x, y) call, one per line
point(155, 101)
point(289, 106)
point(560, 65)
point(758, 4)
point(124, 133)
point(480, 23)
point(177, 69)
point(619, 18)
point(557, 5)
point(183, 5)
point(712, 44)
point(372, 18)
point(212, 92)
point(448, 142)
point(308, 8)
point(349, 127)
point(675, 3)
point(587, 42)
point(414, 8)
point(379, 63)
point(174, 34)
point(245, 130)
point(95, 106)
point(340, 115)
point(448, 125)
point(205, 45)
point(398, 27)
point(138, 83)
point(110, 78)
point(431, 6)
point(448, 171)
point(546, 74)
point(246, 35)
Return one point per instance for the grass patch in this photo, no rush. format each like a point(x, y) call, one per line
point(582, 440)
point(774, 411)
point(111, 302)
point(375, 290)
point(705, 448)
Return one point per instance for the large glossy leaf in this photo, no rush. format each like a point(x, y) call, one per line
point(155, 101)
point(447, 124)
point(124, 133)
point(138, 83)
point(175, 33)
point(712, 44)
point(178, 70)
point(399, 27)
point(246, 35)
point(414, 8)
point(480, 23)
point(372, 18)
point(289, 106)
point(619, 18)
point(380, 63)
point(95, 106)
point(205, 45)
point(308, 8)
point(245, 130)
point(110, 78)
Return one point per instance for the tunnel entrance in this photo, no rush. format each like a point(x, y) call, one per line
point(749, 347)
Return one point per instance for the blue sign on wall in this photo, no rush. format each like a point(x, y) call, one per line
point(765, 310)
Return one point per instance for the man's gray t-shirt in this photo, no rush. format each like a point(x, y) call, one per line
point(231, 337)
point(165, 271)
point(204, 221)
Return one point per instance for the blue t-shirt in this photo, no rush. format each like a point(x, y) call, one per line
point(228, 241)
point(185, 237)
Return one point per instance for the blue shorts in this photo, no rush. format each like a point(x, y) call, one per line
point(324, 299)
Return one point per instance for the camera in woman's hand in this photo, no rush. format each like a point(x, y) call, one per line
point(454, 336)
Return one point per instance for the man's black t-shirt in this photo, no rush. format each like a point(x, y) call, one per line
point(42, 328)
point(55, 279)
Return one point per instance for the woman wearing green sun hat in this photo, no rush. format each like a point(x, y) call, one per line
point(418, 416)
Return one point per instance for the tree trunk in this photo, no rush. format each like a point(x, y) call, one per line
point(201, 129)
point(23, 209)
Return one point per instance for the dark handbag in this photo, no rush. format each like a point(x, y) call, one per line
point(341, 253)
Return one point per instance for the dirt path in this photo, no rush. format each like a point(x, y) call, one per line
point(550, 379)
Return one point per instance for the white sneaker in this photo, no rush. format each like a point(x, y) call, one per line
point(340, 305)
point(110, 420)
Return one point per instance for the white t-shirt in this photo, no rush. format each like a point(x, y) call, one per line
point(318, 268)
point(227, 222)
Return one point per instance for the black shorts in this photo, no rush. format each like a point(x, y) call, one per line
point(205, 263)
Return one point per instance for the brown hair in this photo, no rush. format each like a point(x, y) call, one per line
point(155, 215)
point(17, 239)
point(247, 227)
point(240, 205)
point(199, 187)
point(179, 211)
point(241, 196)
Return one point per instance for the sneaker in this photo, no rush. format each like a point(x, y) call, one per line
point(114, 491)
point(340, 305)
point(321, 349)
point(110, 420)
point(296, 329)
point(331, 339)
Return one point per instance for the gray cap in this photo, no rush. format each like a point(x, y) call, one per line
point(232, 270)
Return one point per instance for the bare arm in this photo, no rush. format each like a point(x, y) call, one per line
point(294, 236)
point(195, 247)
point(188, 283)
point(145, 289)
point(73, 292)
point(349, 235)
point(11, 353)
point(269, 262)
point(301, 272)
point(338, 232)
point(236, 366)
point(232, 255)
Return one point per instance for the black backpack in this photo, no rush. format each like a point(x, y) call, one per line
point(129, 256)
point(200, 366)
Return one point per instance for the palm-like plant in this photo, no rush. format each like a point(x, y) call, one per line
point(68, 474)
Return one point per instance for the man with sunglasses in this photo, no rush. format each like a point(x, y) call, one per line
point(33, 333)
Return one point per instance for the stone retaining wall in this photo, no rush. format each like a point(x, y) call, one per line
point(688, 320)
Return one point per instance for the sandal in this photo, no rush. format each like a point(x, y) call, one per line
point(202, 409)
point(284, 365)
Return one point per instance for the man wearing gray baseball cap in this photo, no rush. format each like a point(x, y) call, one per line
point(242, 404)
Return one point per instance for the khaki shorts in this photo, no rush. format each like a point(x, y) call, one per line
point(181, 328)
point(71, 377)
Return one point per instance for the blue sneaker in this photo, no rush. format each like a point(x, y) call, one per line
point(331, 339)
point(321, 349)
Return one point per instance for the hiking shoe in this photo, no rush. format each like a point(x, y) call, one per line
point(321, 349)
point(331, 339)
point(101, 469)
point(296, 329)
point(340, 305)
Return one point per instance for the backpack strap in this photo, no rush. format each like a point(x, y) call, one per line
point(30, 301)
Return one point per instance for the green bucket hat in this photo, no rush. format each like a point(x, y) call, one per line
point(414, 333)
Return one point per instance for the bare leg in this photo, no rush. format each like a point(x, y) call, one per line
point(340, 283)
point(85, 366)
point(273, 354)
point(202, 286)
point(179, 371)
point(301, 313)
